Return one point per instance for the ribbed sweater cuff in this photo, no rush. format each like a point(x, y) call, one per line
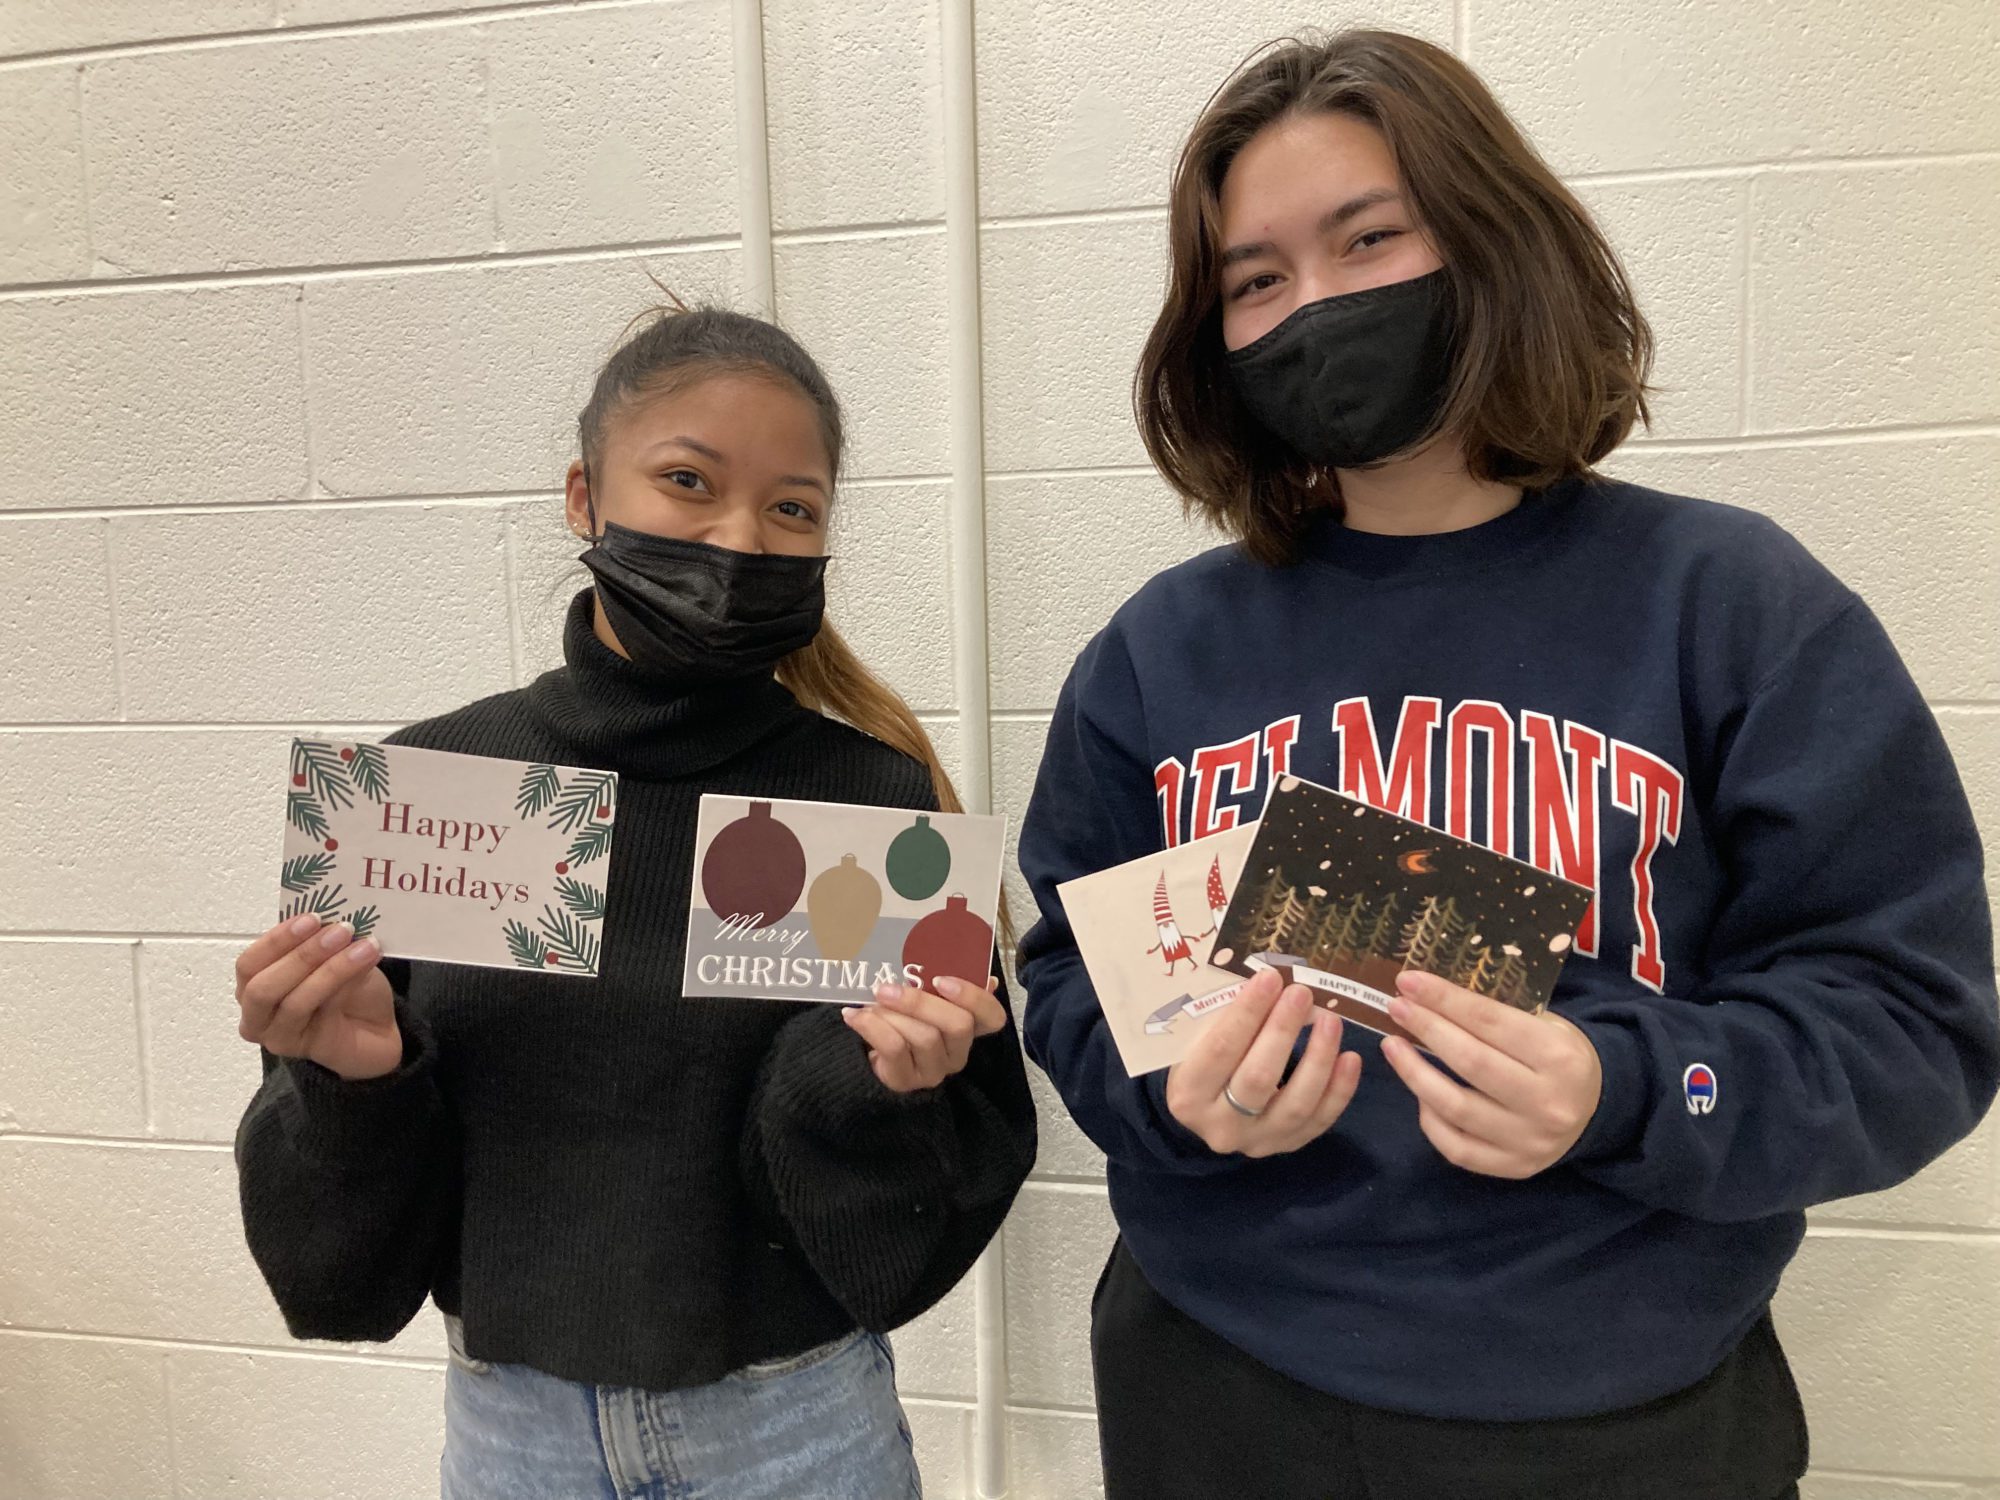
point(341, 1123)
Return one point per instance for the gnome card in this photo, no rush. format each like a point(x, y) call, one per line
point(1144, 929)
point(823, 900)
point(1342, 897)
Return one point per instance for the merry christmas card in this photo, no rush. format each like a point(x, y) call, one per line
point(459, 858)
point(823, 901)
point(1144, 929)
point(1342, 897)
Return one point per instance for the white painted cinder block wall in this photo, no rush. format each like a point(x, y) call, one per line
point(298, 299)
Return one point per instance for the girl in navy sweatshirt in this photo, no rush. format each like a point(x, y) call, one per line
point(1538, 1263)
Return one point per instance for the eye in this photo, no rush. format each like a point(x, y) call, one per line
point(686, 479)
point(798, 510)
point(1255, 284)
point(1374, 237)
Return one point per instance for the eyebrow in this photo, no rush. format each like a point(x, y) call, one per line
point(1329, 222)
point(803, 480)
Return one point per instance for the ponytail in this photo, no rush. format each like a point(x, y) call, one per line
point(828, 678)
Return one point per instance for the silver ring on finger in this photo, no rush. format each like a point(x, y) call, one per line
point(1229, 1097)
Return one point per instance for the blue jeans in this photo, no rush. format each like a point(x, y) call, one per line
point(823, 1425)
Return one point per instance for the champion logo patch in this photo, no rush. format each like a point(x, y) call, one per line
point(1698, 1083)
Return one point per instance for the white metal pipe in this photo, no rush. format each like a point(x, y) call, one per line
point(753, 158)
point(968, 592)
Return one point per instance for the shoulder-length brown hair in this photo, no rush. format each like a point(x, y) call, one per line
point(1550, 354)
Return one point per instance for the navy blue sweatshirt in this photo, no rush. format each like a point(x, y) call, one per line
point(1787, 971)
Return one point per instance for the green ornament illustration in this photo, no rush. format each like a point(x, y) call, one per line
point(919, 861)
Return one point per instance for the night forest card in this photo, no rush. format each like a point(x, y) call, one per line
point(1144, 929)
point(824, 900)
point(1342, 897)
point(459, 858)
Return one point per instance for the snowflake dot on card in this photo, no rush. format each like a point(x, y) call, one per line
point(947, 941)
point(755, 869)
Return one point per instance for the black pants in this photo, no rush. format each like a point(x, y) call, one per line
point(1185, 1415)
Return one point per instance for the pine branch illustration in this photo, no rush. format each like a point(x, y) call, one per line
point(581, 799)
point(592, 843)
point(322, 901)
point(370, 770)
point(529, 951)
point(304, 814)
point(325, 772)
point(574, 943)
point(538, 790)
point(586, 902)
point(305, 872)
point(363, 919)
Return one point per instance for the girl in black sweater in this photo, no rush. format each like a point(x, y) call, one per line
point(667, 1234)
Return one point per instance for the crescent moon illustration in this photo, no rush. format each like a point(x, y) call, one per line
point(1418, 863)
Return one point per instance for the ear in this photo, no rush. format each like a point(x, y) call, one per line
point(578, 513)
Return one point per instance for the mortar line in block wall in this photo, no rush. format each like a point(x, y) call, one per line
point(279, 31)
point(360, 270)
point(167, 1415)
point(111, 619)
point(1873, 1229)
point(1745, 302)
point(335, 1354)
point(142, 1026)
point(114, 1142)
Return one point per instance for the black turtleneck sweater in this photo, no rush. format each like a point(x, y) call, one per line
point(605, 1179)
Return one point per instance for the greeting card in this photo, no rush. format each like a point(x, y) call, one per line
point(459, 858)
point(1342, 897)
point(823, 900)
point(1144, 929)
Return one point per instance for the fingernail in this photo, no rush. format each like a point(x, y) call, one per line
point(305, 924)
point(1410, 982)
point(335, 936)
point(362, 951)
point(887, 993)
point(948, 988)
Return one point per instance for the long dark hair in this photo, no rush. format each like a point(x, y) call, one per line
point(674, 346)
point(1551, 354)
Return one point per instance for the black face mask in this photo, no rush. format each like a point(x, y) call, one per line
point(698, 614)
point(1349, 380)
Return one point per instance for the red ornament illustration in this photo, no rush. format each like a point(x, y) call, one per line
point(300, 779)
point(562, 867)
point(347, 754)
point(955, 943)
point(603, 812)
point(332, 844)
point(755, 870)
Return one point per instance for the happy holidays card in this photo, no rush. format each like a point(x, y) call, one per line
point(459, 858)
point(1145, 929)
point(1342, 897)
point(823, 900)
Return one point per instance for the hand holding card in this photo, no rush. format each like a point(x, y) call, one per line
point(1532, 1080)
point(310, 991)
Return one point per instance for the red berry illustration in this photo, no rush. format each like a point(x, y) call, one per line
point(332, 844)
point(552, 960)
point(347, 755)
point(562, 867)
point(300, 779)
point(604, 812)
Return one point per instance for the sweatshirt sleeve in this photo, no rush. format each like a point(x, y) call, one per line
point(889, 1197)
point(1847, 1013)
point(1094, 807)
point(348, 1188)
